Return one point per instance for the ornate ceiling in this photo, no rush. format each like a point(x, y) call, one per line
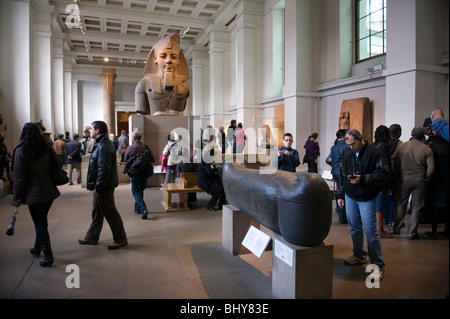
point(122, 32)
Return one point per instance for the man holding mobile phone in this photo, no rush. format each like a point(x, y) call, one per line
point(363, 174)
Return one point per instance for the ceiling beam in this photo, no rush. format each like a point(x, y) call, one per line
point(111, 54)
point(75, 34)
point(136, 15)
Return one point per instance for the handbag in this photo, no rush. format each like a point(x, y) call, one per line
point(12, 222)
point(59, 176)
point(328, 159)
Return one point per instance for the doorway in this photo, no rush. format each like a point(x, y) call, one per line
point(122, 121)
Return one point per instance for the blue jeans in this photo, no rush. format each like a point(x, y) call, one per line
point(171, 174)
point(381, 199)
point(389, 206)
point(339, 211)
point(361, 216)
point(138, 185)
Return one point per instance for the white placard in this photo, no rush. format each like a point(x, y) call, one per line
point(327, 175)
point(283, 252)
point(256, 241)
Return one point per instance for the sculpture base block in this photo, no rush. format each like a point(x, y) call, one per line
point(297, 272)
point(310, 275)
point(235, 225)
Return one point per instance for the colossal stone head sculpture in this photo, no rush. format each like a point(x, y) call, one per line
point(164, 89)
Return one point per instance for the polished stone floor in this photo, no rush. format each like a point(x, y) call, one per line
point(179, 255)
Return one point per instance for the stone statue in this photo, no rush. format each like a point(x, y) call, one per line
point(356, 114)
point(164, 89)
point(344, 121)
point(298, 206)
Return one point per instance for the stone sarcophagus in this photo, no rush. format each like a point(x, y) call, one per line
point(298, 206)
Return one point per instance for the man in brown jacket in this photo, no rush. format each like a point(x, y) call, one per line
point(413, 166)
point(59, 146)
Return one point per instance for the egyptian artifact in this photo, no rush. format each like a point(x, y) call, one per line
point(164, 89)
point(298, 206)
point(356, 114)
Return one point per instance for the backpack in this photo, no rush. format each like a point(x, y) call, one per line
point(139, 165)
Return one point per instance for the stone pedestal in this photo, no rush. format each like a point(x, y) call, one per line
point(301, 272)
point(297, 272)
point(235, 225)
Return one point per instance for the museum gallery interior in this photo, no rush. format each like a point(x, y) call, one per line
point(290, 66)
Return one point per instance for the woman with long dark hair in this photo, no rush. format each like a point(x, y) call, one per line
point(312, 152)
point(382, 138)
point(34, 186)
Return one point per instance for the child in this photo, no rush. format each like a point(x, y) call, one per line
point(288, 158)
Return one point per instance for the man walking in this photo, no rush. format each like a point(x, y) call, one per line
point(73, 153)
point(139, 182)
point(102, 179)
point(123, 145)
point(363, 173)
point(413, 168)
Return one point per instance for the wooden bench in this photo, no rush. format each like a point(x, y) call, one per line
point(187, 183)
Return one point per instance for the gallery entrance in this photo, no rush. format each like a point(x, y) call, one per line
point(122, 121)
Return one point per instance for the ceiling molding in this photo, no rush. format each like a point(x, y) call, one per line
point(128, 29)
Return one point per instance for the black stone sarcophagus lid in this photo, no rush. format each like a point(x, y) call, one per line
point(298, 206)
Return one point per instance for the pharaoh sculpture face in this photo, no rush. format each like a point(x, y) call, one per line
point(166, 57)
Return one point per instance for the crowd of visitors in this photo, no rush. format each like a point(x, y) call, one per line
point(378, 183)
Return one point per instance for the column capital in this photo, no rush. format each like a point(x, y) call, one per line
point(109, 72)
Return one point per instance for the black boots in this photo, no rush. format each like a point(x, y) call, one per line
point(211, 204)
point(36, 250)
point(47, 249)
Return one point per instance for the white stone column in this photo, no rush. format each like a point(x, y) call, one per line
point(68, 109)
point(78, 124)
point(415, 78)
point(249, 33)
point(42, 65)
point(300, 114)
point(20, 74)
point(199, 89)
point(218, 45)
point(58, 84)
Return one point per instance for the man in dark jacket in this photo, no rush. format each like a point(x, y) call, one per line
point(208, 178)
point(73, 154)
point(363, 173)
point(138, 183)
point(338, 151)
point(102, 179)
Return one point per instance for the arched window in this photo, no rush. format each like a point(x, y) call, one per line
point(370, 29)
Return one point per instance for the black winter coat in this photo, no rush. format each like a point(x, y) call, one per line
point(208, 178)
point(102, 172)
point(73, 149)
point(33, 183)
point(374, 173)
